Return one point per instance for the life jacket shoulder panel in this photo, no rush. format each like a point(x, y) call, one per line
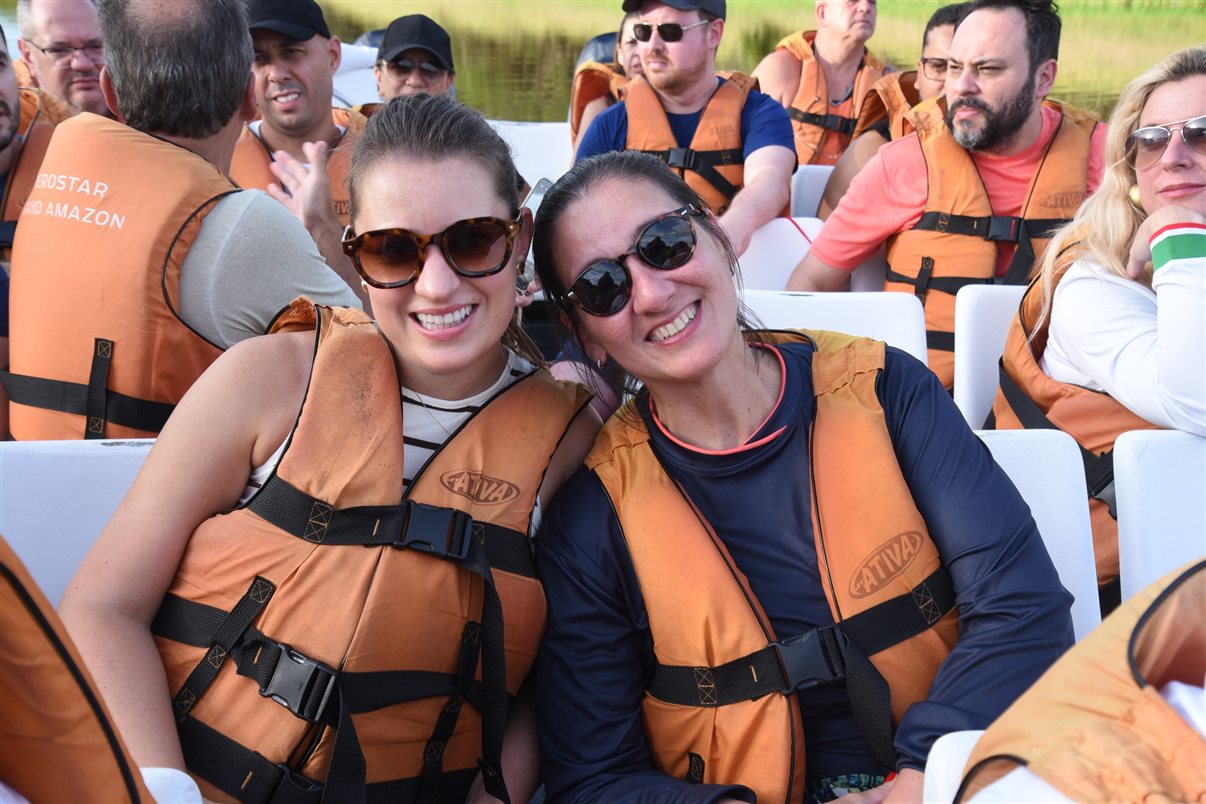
point(57, 740)
point(955, 242)
point(759, 742)
point(893, 97)
point(1095, 726)
point(823, 132)
point(38, 114)
point(117, 238)
point(713, 164)
point(363, 609)
point(593, 80)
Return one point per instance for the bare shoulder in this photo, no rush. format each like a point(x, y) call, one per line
point(778, 75)
point(573, 449)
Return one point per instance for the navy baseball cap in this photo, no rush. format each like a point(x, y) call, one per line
point(296, 19)
point(713, 7)
point(416, 31)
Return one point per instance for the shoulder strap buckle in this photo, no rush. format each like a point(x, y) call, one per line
point(809, 659)
point(1001, 228)
point(441, 532)
point(680, 158)
point(302, 685)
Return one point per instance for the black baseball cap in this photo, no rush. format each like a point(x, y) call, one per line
point(416, 30)
point(296, 19)
point(713, 7)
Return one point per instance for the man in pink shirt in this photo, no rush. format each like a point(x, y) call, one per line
point(972, 196)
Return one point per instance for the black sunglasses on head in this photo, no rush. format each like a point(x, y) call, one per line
point(1145, 146)
point(392, 258)
point(668, 31)
point(665, 243)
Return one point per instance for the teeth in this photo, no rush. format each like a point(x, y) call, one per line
point(677, 325)
point(288, 97)
point(446, 320)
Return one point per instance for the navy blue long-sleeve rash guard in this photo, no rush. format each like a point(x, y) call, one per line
point(597, 656)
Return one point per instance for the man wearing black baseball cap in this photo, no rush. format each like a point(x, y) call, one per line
point(731, 143)
point(415, 56)
point(295, 61)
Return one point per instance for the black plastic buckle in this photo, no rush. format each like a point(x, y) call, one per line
point(441, 532)
point(679, 158)
point(295, 789)
point(805, 659)
point(837, 123)
point(1003, 229)
point(301, 685)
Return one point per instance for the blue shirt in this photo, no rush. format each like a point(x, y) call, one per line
point(763, 122)
point(597, 657)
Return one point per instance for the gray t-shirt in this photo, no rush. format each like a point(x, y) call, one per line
point(250, 259)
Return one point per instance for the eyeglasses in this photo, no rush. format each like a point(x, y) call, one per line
point(934, 69)
point(665, 243)
point(393, 258)
point(668, 31)
point(1145, 146)
point(402, 68)
point(62, 56)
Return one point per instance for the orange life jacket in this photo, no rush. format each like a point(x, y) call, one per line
point(594, 80)
point(713, 165)
point(24, 76)
point(1095, 726)
point(333, 600)
point(38, 114)
point(720, 708)
point(954, 244)
point(102, 245)
point(892, 96)
point(57, 741)
point(823, 131)
point(249, 167)
point(1028, 398)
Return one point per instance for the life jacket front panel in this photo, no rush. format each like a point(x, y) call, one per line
point(955, 242)
point(893, 97)
point(823, 131)
point(122, 315)
point(38, 114)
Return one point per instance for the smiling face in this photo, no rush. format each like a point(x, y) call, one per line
point(445, 329)
point(674, 67)
point(293, 82)
point(678, 324)
point(1179, 177)
point(59, 25)
point(9, 102)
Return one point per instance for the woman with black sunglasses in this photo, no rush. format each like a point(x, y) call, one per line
point(321, 583)
point(757, 488)
point(1111, 335)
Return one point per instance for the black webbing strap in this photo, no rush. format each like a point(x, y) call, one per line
point(442, 532)
point(925, 281)
point(820, 656)
point(1022, 264)
point(8, 233)
point(445, 727)
point(72, 397)
point(829, 122)
point(704, 163)
point(999, 229)
point(98, 384)
point(939, 340)
point(1099, 469)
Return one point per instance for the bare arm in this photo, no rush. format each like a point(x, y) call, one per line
point(307, 194)
point(812, 276)
point(236, 414)
point(851, 162)
point(765, 194)
point(589, 113)
point(778, 75)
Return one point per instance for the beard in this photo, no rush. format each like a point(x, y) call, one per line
point(8, 129)
point(1000, 125)
point(676, 79)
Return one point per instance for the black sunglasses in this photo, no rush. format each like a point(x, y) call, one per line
point(401, 68)
point(1145, 146)
point(392, 258)
point(665, 243)
point(668, 31)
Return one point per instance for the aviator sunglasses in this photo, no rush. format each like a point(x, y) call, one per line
point(392, 258)
point(1145, 146)
point(668, 31)
point(665, 243)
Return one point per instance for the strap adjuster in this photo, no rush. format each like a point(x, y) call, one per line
point(295, 789)
point(1003, 229)
point(809, 659)
point(302, 685)
point(441, 532)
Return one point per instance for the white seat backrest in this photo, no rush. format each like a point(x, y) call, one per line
point(540, 150)
point(868, 275)
point(896, 318)
point(807, 187)
point(1046, 468)
point(55, 498)
point(944, 766)
point(983, 314)
point(774, 251)
point(1160, 489)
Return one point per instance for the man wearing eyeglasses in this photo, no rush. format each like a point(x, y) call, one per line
point(821, 77)
point(731, 143)
point(973, 196)
point(415, 56)
point(61, 46)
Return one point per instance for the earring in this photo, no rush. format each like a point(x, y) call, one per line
point(599, 364)
point(1136, 199)
point(364, 285)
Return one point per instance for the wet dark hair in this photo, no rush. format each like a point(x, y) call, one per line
point(1042, 25)
point(580, 183)
point(947, 15)
point(431, 128)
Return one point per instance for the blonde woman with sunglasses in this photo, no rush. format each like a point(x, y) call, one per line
point(753, 583)
point(321, 582)
point(1111, 335)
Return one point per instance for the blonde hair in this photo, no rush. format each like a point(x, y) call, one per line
point(1106, 222)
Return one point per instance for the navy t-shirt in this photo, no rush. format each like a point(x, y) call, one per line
point(597, 657)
